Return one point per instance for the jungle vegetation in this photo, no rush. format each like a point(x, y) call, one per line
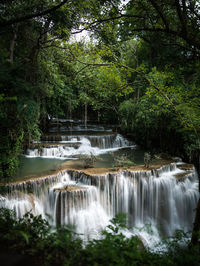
point(140, 69)
point(31, 241)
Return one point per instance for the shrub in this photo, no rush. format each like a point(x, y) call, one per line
point(32, 236)
point(88, 160)
point(123, 161)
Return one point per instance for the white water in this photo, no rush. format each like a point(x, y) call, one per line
point(22, 203)
point(94, 145)
point(156, 202)
point(147, 197)
point(80, 128)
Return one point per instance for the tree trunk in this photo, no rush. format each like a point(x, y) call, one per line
point(98, 116)
point(196, 229)
point(12, 45)
point(85, 120)
point(70, 110)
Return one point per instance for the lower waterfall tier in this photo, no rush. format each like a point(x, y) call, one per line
point(165, 198)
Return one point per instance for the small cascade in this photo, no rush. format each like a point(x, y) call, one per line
point(29, 195)
point(95, 145)
point(22, 203)
point(79, 207)
point(166, 198)
point(37, 186)
point(102, 141)
point(73, 127)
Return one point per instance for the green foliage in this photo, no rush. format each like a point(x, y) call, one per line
point(147, 159)
point(127, 111)
point(134, 73)
point(88, 160)
point(32, 236)
point(123, 161)
point(149, 85)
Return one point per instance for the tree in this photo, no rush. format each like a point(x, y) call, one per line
point(29, 81)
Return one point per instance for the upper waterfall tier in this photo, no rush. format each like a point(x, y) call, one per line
point(105, 141)
point(95, 145)
point(66, 126)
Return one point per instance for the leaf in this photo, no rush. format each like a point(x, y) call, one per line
point(25, 236)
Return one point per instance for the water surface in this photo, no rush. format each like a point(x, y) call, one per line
point(33, 167)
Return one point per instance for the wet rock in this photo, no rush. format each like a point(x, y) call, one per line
point(186, 166)
point(70, 188)
point(177, 159)
point(183, 175)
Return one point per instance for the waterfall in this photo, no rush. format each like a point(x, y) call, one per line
point(95, 145)
point(148, 196)
point(79, 207)
point(79, 127)
point(22, 203)
point(159, 197)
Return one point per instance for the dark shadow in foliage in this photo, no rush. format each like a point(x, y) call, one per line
point(32, 237)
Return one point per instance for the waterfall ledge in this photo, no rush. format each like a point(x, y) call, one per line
point(164, 196)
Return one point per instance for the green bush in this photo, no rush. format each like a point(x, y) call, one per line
point(88, 160)
point(123, 161)
point(32, 236)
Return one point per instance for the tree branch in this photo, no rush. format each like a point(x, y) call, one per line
point(153, 3)
point(30, 16)
point(97, 22)
point(149, 82)
point(191, 8)
point(182, 19)
point(76, 74)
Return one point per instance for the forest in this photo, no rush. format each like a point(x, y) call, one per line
point(133, 64)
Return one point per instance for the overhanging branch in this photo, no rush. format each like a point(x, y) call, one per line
point(30, 16)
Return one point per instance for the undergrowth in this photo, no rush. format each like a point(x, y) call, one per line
point(32, 236)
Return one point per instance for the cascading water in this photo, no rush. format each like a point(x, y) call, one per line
point(148, 196)
point(95, 145)
point(79, 207)
point(22, 203)
point(87, 202)
point(166, 197)
point(78, 127)
point(102, 141)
